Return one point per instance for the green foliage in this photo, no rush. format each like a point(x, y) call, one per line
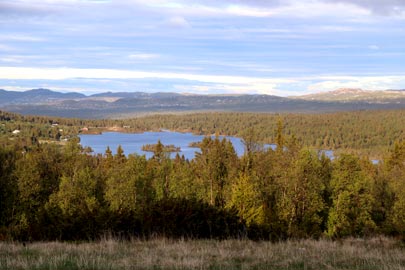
point(215, 166)
point(265, 173)
point(265, 194)
point(352, 202)
point(77, 195)
point(245, 199)
point(395, 165)
point(301, 203)
point(183, 183)
point(128, 186)
point(192, 219)
point(366, 132)
point(8, 188)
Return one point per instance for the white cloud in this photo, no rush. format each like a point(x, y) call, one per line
point(255, 88)
point(202, 83)
point(143, 56)
point(247, 11)
point(17, 59)
point(4, 47)
point(250, 37)
point(381, 7)
point(234, 83)
point(329, 83)
point(15, 88)
point(10, 60)
point(18, 37)
point(180, 9)
point(336, 28)
point(318, 7)
point(35, 86)
point(291, 8)
point(193, 88)
point(178, 22)
point(67, 73)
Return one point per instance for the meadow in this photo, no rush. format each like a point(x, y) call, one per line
point(162, 253)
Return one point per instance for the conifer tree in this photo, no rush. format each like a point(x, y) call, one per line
point(245, 199)
point(352, 201)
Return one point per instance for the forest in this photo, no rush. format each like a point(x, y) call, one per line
point(366, 133)
point(51, 188)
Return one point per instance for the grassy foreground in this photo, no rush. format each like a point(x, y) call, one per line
point(376, 253)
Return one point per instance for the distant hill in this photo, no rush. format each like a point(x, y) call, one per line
point(356, 94)
point(35, 96)
point(134, 95)
point(130, 104)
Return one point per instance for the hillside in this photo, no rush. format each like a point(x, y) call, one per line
point(129, 104)
point(35, 96)
point(357, 94)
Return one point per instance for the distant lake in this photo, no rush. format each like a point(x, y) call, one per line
point(133, 142)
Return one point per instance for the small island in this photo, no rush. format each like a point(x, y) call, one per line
point(165, 148)
point(195, 144)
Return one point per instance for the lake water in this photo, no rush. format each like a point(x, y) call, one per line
point(133, 142)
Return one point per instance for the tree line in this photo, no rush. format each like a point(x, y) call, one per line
point(48, 192)
point(363, 132)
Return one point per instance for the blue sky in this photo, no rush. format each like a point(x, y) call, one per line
point(280, 47)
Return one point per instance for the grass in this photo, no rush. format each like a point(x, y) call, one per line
point(376, 253)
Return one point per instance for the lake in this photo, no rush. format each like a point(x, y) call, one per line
point(133, 142)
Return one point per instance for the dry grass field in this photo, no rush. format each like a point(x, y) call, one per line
point(376, 253)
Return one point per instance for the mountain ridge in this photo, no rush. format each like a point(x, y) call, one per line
point(351, 94)
point(129, 104)
point(38, 95)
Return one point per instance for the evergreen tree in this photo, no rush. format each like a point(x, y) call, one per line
point(245, 199)
point(183, 182)
point(350, 214)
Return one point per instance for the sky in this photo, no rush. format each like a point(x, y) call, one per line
point(275, 47)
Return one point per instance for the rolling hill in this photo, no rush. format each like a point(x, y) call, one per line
point(130, 104)
point(357, 94)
